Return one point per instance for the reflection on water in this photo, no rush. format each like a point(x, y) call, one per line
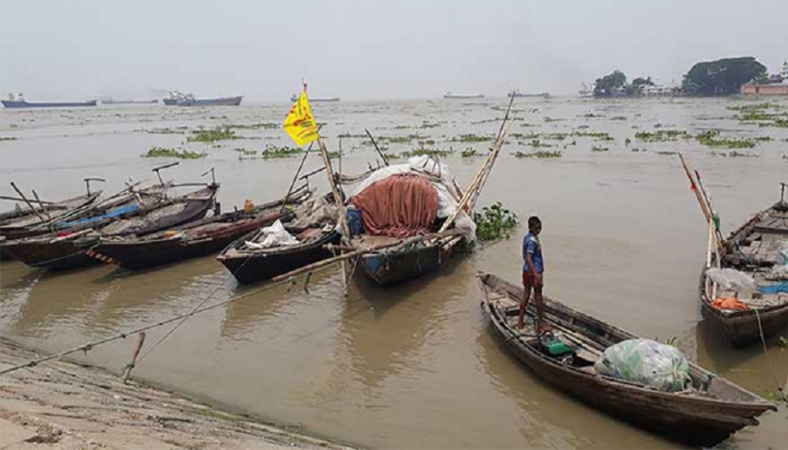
point(414, 365)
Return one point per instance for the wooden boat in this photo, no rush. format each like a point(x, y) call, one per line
point(15, 222)
point(408, 260)
point(251, 265)
point(752, 249)
point(195, 239)
point(704, 414)
point(67, 250)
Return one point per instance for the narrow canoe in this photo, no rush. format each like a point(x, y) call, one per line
point(59, 252)
point(751, 249)
point(195, 239)
point(705, 414)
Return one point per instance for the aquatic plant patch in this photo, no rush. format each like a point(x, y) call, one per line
point(472, 138)
point(598, 149)
point(213, 135)
point(539, 154)
point(711, 138)
point(274, 151)
point(161, 152)
point(494, 222)
point(662, 135)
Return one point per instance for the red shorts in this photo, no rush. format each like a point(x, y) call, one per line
point(529, 280)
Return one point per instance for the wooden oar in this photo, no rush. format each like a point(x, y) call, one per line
point(30, 205)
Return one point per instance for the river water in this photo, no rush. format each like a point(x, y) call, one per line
point(411, 366)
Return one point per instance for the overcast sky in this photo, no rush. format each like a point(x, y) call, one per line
point(57, 50)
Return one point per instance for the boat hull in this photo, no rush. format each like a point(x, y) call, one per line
point(263, 267)
point(24, 104)
point(386, 268)
point(225, 101)
point(54, 254)
point(697, 420)
point(137, 255)
point(743, 328)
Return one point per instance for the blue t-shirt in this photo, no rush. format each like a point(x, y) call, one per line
point(532, 246)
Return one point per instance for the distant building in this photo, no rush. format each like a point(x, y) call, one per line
point(777, 85)
point(765, 89)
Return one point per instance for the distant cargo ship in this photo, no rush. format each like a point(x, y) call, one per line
point(180, 99)
point(518, 94)
point(452, 96)
point(110, 101)
point(18, 101)
point(294, 98)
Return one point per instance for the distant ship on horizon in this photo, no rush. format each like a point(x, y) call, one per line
point(452, 96)
point(180, 99)
point(294, 98)
point(18, 101)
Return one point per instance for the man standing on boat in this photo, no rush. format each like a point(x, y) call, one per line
point(533, 273)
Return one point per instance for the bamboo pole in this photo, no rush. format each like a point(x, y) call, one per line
point(375, 144)
point(30, 205)
point(693, 186)
point(43, 210)
point(130, 365)
point(17, 199)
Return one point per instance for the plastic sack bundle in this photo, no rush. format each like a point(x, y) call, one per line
point(648, 362)
point(731, 279)
point(275, 236)
point(780, 270)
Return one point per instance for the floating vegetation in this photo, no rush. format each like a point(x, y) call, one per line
point(667, 153)
point(350, 135)
point(401, 139)
point(274, 151)
point(551, 119)
point(213, 135)
point(176, 130)
point(599, 135)
point(711, 138)
point(494, 222)
point(469, 152)
point(618, 118)
point(662, 135)
point(735, 154)
point(426, 125)
point(245, 152)
point(599, 149)
point(3, 138)
point(627, 141)
point(472, 138)
point(539, 154)
point(256, 126)
point(638, 150)
point(162, 152)
point(536, 143)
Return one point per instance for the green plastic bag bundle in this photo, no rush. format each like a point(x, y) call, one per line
point(648, 362)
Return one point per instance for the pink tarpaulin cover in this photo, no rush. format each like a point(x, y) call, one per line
point(399, 206)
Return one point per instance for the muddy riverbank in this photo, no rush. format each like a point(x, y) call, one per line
point(61, 405)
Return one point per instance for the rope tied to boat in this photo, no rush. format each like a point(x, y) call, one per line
point(769, 359)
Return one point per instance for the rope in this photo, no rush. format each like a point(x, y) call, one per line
point(768, 358)
point(89, 346)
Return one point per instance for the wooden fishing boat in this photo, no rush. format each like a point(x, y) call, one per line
point(409, 260)
point(15, 223)
point(67, 250)
point(752, 249)
point(704, 414)
point(314, 226)
point(195, 239)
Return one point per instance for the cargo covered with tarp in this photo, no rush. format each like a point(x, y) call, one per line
point(404, 200)
point(401, 205)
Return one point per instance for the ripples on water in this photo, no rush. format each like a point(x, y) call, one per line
point(414, 365)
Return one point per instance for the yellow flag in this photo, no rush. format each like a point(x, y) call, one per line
point(300, 123)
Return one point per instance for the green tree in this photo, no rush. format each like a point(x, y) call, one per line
point(640, 82)
point(722, 77)
point(606, 86)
